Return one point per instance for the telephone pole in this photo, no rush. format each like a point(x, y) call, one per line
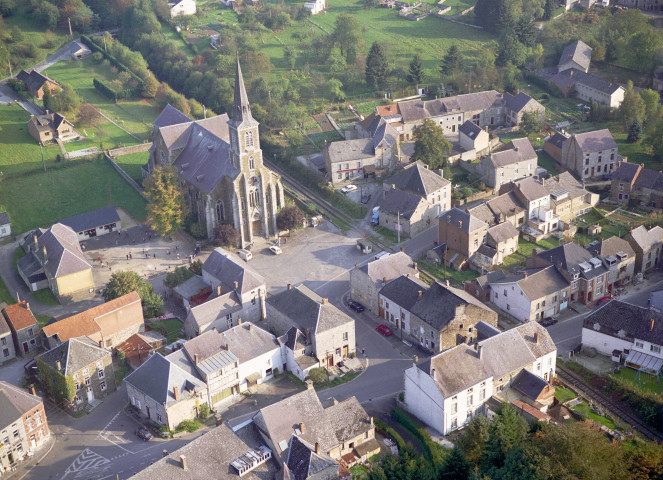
point(10, 68)
point(398, 226)
point(70, 32)
point(43, 162)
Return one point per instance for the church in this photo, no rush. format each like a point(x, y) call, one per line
point(220, 166)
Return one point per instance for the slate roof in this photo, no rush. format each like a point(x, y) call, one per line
point(485, 330)
point(20, 399)
point(564, 181)
point(650, 179)
point(74, 354)
point(486, 250)
point(382, 133)
point(517, 150)
point(212, 351)
point(469, 129)
point(170, 116)
point(506, 204)
point(529, 384)
point(348, 150)
point(568, 257)
point(632, 321)
point(48, 121)
point(303, 462)
point(595, 141)
point(214, 309)
point(9, 414)
point(438, 303)
point(647, 238)
point(626, 172)
point(93, 219)
point(502, 232)
point(404, 291)
point(248, 341)
point(34, 80)
point(416, 110)
point(557, 140)
point(611, 247)
point(4, 327)
point(227, 270)
point(306, 310)
point(483, 213)
point(462, 220)
point(570, 77)
point(157, 377)
point(63, 251)
point(396, 202)
point(390, 267)
point(531, 189)
point(294, 339)
point(19, 316)
point(192, 287)
point(4, 218)
point(517, 102)
point(418, 179)
point(578, 52)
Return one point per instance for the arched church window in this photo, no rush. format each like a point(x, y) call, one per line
point(220, 215)
point(252, 163)
point(249, 139)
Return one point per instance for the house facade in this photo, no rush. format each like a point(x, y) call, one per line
point(396, 301)
point(472, 137)
point(182, 7)
point(517, 160)
point(23, 326)
point(588, 87)
point(515, 106)
point(419, 180)
point(568, 197)
point(500, 242)
point(37, 83)
point(553, 146)
point(632, 182)
point(647, 245)
point(50, 127)
point(462, 233)
point(405, 213)
point(95, 223)
point(6, 342)
point(619, 257)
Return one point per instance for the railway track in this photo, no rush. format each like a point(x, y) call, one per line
point(578, 383)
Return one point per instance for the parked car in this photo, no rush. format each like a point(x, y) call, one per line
point(349, 188)
point(384, 330)
point(548, 322)
point(602, 300)
point(144, 433)
point(275, 250)
point(356, 306)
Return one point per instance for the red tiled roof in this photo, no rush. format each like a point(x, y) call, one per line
point(536, 413)
point(19, 315)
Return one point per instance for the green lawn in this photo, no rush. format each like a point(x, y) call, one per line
point(132, 164)
point(648, 382)
point(45, 297)
point(170, 328)
point(455, 277)
point(564, 394)
point(41, 199)
point(457, 6)
point(585, 411)
point(20, 152)
point(547, 162)
point(359, 471)
point(525, 250)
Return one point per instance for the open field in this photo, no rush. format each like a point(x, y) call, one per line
point(132, 164)
point(40, 199)
point(584, 409)
point(563, 394)
point(647, 382)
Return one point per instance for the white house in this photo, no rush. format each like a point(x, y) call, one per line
point(182, 7)
point(629, 332)
point(5, 225)
point(315, 6)
point(397, 299)
point(297, 354)
point(454, 386)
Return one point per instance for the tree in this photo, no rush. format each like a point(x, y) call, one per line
point(416, 72)
point(7, 7)
point(47, 14)
point(290, 218)
point(335, 89)
point(455, 466)
point(508, 430)
point(650, 99)
point(531, 122)
point(177, 276)
point(632, 106)
point(123, 283)
point(290, 56)
point(644, 48)
point(655, 137)
point(598, 50)
point(377, 66)
point(634, 132)
point(430, 145)
point(452, 61)
point(549, 9)
point(63, 101)
point(644, 459)
point(225, 235)
point(150, 86)
point(347, 35)
point(167, 208)
point(511, 50)
point(526, 32)
point(476, 434)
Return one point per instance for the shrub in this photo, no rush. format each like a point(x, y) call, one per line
point(204, 411)
point(197, 267)
point(97, 56)
point(177, 276)
point(386, 430)
point(431, 450)
point(188, 426)
point(318, 376)
point(290, 218)
point(198, 230)
point(225, 235)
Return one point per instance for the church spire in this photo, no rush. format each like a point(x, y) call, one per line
point(241, 108)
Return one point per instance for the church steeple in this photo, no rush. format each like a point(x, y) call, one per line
point(241, 109)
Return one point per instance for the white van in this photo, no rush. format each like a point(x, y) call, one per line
point(245, 255)
point(380, 255)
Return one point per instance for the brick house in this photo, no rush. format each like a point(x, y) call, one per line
point(591, 154)
point(553, 146)
point(23, 427)
point(50, 127)
point(634, 182)
point(647, 245)
point(108, 324)
point(619, 257)
point(24, 327)
point(6, 341)
point(82, 362)
point(37, 83)
point(462, 233)
point(500, 242)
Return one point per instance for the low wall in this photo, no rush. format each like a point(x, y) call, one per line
point(143, 147)
point(124, 175)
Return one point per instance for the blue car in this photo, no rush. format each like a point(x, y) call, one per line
point(356, 306)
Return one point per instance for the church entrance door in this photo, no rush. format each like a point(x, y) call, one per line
point(255, 227)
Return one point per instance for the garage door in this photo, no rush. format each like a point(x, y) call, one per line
point(221, 395)
point(550, 312)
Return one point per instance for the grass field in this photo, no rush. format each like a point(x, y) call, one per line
point(132, 164)
point(525, 250)
point(455, 277)
point(564, 394)
point(170, 328)
point(584, 409)
point(41, 199)
point(19, 151)
point(648, 382)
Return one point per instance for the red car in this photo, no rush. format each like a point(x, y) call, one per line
point(384, 330)
point(603, 300)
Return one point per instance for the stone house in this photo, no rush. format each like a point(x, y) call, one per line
point(472, 137)
point(454, 386)
point(23, 427)
point(297, 353)
point(5, 225)
point(37, 83)
point(534, 295)
point(220, 165)
point(6, 341)
point(461, 232)
point(108, 324)
point(165, 393)
point(405, 212)
point(50, 127)
point(84, 363)
point(515, 106)
point(588, 87)
point(568, 197)
point(417, 179)
point(634, 182)
point(24, 327)
point(445, 316)
point(517, 160)
point(553, 146)
point(500, 242)
point(218, 312)
point(367, 281)
point(647, 246)
point(338, 429)
point(619, 257)
point(576, 55)
point(182, 7)
point(54, 260)
point(330, 331)
point(396, 301)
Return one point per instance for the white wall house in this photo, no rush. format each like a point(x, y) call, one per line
point(182, 7)
point(5, 225)
point(316, 6)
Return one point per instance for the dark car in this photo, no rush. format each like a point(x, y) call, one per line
point(144, 433)
point(547, 322)
point(384, 330)
point(356, 306)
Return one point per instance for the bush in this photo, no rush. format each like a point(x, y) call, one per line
point(188, 426)
point(225, 235)
point(198, 230)
point(387, 431)
point(177, 277)
point(430, 449)
point(204, 411)
point(290, 218)
point(196, 267)
point(97, 56)
point(318, 376)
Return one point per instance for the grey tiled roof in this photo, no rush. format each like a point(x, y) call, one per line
point(212, 310)
point(248, 341)
point(404, 291)
point(4, 327)
point(647, 238)
point(385, 136)
point(610, 247)
point(517, 102)
point(650, 179)
point(485, 330)
point(4, 218)
point(9, 414)
point(303, 462)
point(211, 349)
point(546, 281)
point(565, 181)
point(506, 204)
point(74, 354)
point(517, 150)
point(568, 257)
point(93, 219)
point(389, 267)
point(557, 140)
point(531, 189)
point(567, 78)
point(418, 179)
point(529, 384)
point(483, 213)
point(62, 250)
point(502, 232)
point(227, 270)
point(438, 303)
point(190, 287)
point(348, 150)
point(21, 400)
point(34, 80)
point(579, 52)
point(470, 129)
point(157, 377)
point(462, 220)
point(415, 110)
point(170, 116)
point(396, 202)
point(632, 321)
point(595, 141)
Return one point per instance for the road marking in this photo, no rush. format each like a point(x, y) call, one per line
point(87, 465)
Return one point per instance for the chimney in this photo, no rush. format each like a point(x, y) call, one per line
point(415, 265)
point(402, 249)
point(43, 251)
point(334, 401)
point(651, 324)
point(196, 359)
point(309, 385)
point(480, 351)
point(164, 453)
point(317, 448)
point(525, 275)
point(239, 320)
point(432, 373)
point(384, 280)
point(34, 238)
point(101, 344)
point(183, 462)
point(356, 265)
point(32, 390)
point(214, 329)
point(250, 327)
point(58, 365)
point(415, 359)
point(290, 286)
point(27, 305)
point(372, 423)
point(448, 218)
point(236, 285)
point(536, 337)
point(302, 428)
point(420, 294)
point(176, 393)
point(218, 290)
point(325, 301)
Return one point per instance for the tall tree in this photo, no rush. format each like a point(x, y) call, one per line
point(290, 56)
point(347, 35)
point(632, 106)
point(511, 50)
point(526, 31)
point(290, 218)
point(508, 430)
point(455, 466)
point(634, 132)
point(167, 208)
point(430, 145)
point(549, 9)
point(650, 98)
point(377, 66)
point(416, 72)
point(452, 61)
point(123, 283)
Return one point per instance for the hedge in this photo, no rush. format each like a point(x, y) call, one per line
point(113, 61)
point(107, 91)
point(386, 430)
point(431, 450)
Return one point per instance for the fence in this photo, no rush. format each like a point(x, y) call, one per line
point(118, 152)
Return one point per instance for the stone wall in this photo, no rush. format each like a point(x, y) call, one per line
point(143, 147)
point(124, 175)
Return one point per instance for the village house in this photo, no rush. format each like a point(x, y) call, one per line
point(315, 6)
point(396, 301)
point(5, 225)
point(182, 7)
point(405, 212)
point(588, 87)
point(165, 393)
point(367, 281)
point(647, 5)
point(533, 295)
point(330, 331)
point(535, 199)
point(24, 328)
point(23, 426)
point(448, 390)
point(78, 50)
point(37, 83)
point(473, 138)
point(220, 166)
point(501, 241)
point(297, 353)
point(517, 160)
point(54, 260)
point(506, 207)
point(568, 197)
point(417, 179)
point(553, 146)
point(338, 430)
point(50, 127)
point(647, 246)
point(137, 349)
point(632, 182)
point(480, 287)
point(627, 333)
point(95, 223)
point(515, 106)
point(6, 342)
point(87, 365)
point(619, 257)
point(576, 55)
point(462, 233)
point(108, 324)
